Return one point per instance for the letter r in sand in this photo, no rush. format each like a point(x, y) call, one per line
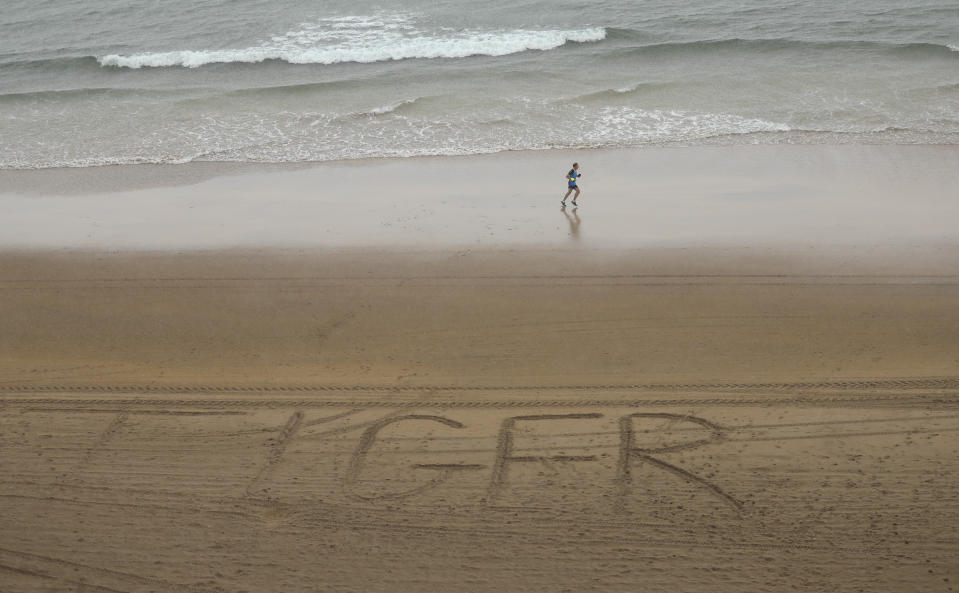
point(630, 452)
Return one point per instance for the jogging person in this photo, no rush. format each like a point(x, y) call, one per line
point(571, 178)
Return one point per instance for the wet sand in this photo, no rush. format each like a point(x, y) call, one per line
point(441, 410)
point(747, 196)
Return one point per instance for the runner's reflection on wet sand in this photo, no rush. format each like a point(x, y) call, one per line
point(574, 222)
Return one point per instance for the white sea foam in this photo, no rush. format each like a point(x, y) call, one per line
point(323, 136)
point(383, 110)
point(630, 126)
point(365, 40)
point(391, 126)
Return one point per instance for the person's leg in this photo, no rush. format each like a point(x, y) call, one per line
point(576, 196)
point(569, 191)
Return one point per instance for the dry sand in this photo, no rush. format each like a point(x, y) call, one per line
point(718, 415)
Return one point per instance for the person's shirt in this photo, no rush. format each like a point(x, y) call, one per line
point(572, 175)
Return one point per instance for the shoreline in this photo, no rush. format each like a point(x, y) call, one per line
point(808, 138)
point(115, 177)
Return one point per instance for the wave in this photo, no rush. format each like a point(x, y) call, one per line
point(298, 137)
point(383, 110)
point(63, 94)
point(619, 42)
point(382, 47)
point(929, 48)
point(270, 152)
point(605, 94)
point(773, 45)
point(61, 64)
point(306, 88)
point(93, 93)
point(369, 113)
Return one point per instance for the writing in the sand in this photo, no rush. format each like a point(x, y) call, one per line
point(486, 457)
point(506, 456)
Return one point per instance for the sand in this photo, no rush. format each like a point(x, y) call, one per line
point(747, 196)
point(441, 409)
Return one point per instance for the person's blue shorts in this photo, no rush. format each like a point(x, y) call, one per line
point(573, 186)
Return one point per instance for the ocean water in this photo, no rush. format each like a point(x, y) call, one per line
point(93, 82)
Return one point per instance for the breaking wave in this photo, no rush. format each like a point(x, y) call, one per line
point(365, 40)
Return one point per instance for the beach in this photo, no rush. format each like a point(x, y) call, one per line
point(288, 300)
point(730, 369)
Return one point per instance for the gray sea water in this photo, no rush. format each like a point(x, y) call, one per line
point(92, 82)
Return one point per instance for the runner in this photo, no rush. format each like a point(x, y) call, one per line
point(571, 178)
